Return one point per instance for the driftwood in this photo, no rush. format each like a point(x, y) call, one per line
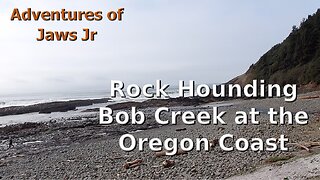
point(306, 145)
point(164, 153)
point(132, 164)
point(300, 145)
point(310, 97)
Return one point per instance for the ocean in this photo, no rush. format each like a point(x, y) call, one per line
point(36, 98)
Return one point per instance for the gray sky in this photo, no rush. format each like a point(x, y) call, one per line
point(208, 41)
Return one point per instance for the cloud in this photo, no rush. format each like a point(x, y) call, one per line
point(207, 41)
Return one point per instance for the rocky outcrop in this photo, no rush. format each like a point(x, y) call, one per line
point(61, 106)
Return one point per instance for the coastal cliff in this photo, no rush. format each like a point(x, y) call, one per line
point(296, 60)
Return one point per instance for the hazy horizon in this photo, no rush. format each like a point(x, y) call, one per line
point(209, 42)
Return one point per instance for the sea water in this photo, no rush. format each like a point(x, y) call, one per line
point(25, 99)
point(37, 98)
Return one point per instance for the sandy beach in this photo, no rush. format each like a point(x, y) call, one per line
point(79, 147)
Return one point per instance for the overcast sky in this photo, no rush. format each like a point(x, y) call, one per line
point(208, 41)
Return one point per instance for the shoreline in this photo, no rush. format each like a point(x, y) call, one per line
point(50, 107)
point(81, 148)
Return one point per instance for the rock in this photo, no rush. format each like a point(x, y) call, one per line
point(168, 163)
point(47, 108)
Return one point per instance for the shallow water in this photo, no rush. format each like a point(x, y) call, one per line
point(36, 117)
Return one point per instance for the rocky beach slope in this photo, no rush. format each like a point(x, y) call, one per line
point(79, 147)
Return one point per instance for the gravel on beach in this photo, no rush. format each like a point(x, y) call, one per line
point(85, 149)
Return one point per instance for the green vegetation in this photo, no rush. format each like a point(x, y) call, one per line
point(279, 158)
point(295, 60)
